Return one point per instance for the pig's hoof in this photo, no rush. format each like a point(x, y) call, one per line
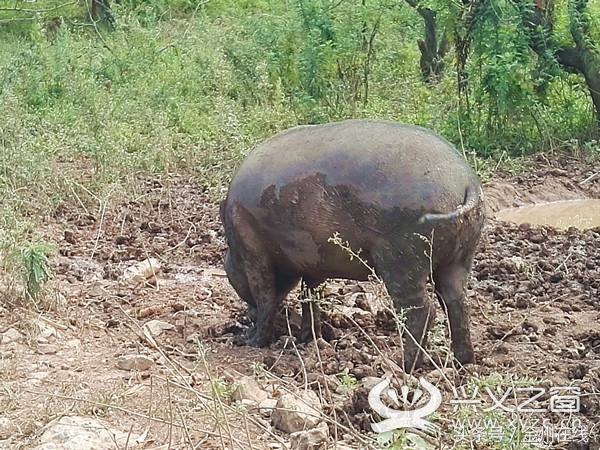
point(466, 356)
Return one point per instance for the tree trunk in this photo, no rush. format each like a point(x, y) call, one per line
point(100, 11)
point(586, 62)
point(583, 58)
point(432, 48)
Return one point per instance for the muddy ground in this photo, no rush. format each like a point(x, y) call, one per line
point(534, 297)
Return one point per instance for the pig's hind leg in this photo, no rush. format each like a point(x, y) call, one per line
point(405, 270)
point(450, 286)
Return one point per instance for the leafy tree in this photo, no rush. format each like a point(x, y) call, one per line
point(580, 54)
point(516, 47)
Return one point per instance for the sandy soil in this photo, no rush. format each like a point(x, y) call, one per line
point(534, 298)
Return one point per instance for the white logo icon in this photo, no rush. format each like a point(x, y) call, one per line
point(396, 419)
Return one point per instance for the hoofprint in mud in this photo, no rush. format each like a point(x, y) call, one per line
point(534, 300)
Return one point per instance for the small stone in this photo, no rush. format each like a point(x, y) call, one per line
point(213, 236)
point(36, 378)
point(314, 439)
point(537, 238)
point(7, 428)
point(11, 335)
point(266, 407)
point(149, 311)
point(179, 306)
point(70, 236)
point(142, 272)
point(370, 382)
point(365, 371)
point(46, 333)
point(556, 277)
point(330, 382)
point(297, 413)
point(73, 343)
point(157, 327)
point(47, 349)
point(439, 376)
point(134, 362)
point(247, 388)
point(77, 432)
point(329, 291)
point(215, 273)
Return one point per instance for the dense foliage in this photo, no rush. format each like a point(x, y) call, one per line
point(94, 91)
point(164, 84)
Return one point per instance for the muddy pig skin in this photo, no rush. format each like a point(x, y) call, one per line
point(402, 195)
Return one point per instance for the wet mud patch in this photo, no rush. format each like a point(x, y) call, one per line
point(543, 180)
point(583, 214)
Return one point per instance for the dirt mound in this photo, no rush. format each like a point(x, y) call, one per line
point(563, 178)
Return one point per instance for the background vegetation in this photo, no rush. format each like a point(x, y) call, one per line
point(92, 93)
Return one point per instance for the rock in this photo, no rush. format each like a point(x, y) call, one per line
point(47, 349)
point(297, 413)
point(38, 375)
point(365, 301)
point(438, 377)
point(266, 407)
point(73, 343)
point(215, 272)
point(360, 395)
point(330, 382)
point(149, 311)
point(7, 428)
point(194, 338)
point(330, 290)
point(363, 371)
point(142, 272)
point(247, 403)
point(213, 236)
point(46, 332)
point(78, 432)
point(70, 237)
point(370, 382)
point(156, 327)
point(11, 335)
point(134, 362)
point(248, 389)
point(179, 306)
point(314, 439)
